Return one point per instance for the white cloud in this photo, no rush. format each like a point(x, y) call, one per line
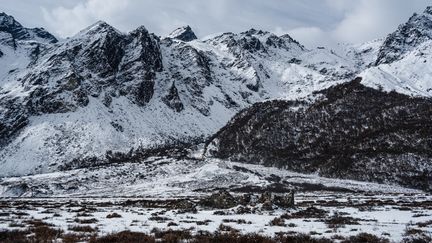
point(312, 22)
point(309, 36)
point(371, 19)
point(68, 21)
point(363, 21)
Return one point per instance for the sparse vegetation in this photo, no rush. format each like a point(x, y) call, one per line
point(80, 228)
point(237, 221)
point(113, 215)
point(159, 218)
point(277, 222)
point(338, 220)
point(365, 238)
point(85, 227)
point(124, 237)
point(86, 221)
point(310, 212)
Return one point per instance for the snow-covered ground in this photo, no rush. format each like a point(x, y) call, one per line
point(167, 178)
point(323, 207)
point(384, 215)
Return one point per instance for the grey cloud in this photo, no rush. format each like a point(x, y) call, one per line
point(312, 22)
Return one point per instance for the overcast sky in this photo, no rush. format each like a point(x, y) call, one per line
point(312, 22)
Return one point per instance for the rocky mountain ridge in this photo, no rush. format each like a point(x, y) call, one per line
point(106, 91)
point(102, 90)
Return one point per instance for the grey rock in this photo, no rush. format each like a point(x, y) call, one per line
point(183, 33)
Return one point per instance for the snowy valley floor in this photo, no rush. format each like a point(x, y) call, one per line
point(151, 197)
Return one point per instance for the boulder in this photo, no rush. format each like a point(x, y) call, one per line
point(221, 200)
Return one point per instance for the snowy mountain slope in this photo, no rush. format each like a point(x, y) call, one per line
point(19, 45)
point(410, 75)
point(170, 178)
point(105, 90)
point(417, 30)
point(364, 54)
point(403, 60)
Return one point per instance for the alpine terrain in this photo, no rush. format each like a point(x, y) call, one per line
point(219, 132)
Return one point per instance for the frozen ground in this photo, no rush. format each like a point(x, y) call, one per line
point(151, 195)
point(325, 214)
point(161, 177)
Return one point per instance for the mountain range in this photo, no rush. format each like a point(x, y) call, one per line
point(356, 111)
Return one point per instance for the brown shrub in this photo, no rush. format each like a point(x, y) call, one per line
point(424, 224)
point(73, 238)
point(14, 236)
point(277, 222)
point(45, 234)
point(172, 224)
point(159, 218)
point(227, 228)
point(113, 215)
point(124, 237)
point(337, 221)
point(310, 212)
point(365, 238)
point(79, 228)
point(86, 221)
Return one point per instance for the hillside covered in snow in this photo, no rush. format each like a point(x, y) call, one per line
point(103, 91)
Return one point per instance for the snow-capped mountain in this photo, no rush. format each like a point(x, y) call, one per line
point(13, 32)
point(183, 33)
point(103, 90)
point(403, 60)
point(407, 37)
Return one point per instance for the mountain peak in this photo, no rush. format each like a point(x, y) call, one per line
point(417, 30)
point(99, 27)
point(16, 31)
point(184, 33)
point(7, 21)
point(428, 10)
point(141, 28)
point(253, 31)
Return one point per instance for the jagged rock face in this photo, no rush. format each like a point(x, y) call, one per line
point(349, 131)
point(184, 34)
point(12, 120)
point(140, 63)
point(403, 60)
point(416, 31)
point(173, 100)
point(99, 60)
point(12, 31)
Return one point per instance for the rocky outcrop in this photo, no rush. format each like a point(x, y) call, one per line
point(224, 200)
point(349, 131)
point(12, 31)
point(416, 31)
point(184, 33)
point(172, 99)
point(98, 60)
point(221, 200)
